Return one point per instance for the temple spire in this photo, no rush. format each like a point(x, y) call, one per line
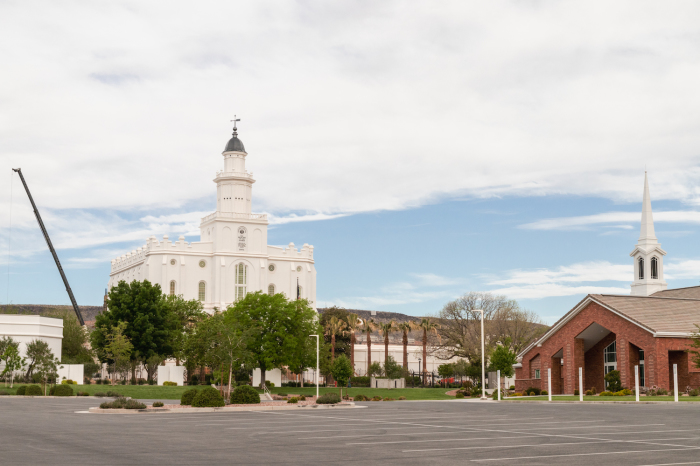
point(646, 233)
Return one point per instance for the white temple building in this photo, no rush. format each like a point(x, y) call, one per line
point(232, 257)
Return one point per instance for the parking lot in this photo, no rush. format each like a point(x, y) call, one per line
point(50, 431)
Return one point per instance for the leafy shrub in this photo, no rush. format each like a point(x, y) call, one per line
point(123, 382)
point(122, 403)
point(87, 381)
point(333, 398)
point(98, 381)
point(142, 381)
point(61, 390)
point(402, 398)
point(458, 395)
point(627, 392)
point(302, 398)
point(282, 394)
point(245, 395)
point(589, 393)
point(544, 392)
point(576, 392)
point(662, 391)
point(360, 381)
point(208, 397)
point(106, 381)
point(694, 392)
point(360, 397)
point(534, 389)
point(389, 399)
point(153, 382)
point(475, 393)
point(606, 393)
point(114, 394)
point(169, 384)
point(157, 404)
point(67, 382)
point(376, 398)
point(3, 393)
point(517, 394)
point(613, 381)
point(83, 394)
point(512, 387)
point(593, 390)
point(293, 400)
point(188, 396)
point(22, 390)
point(33, 390)
point(100, 394)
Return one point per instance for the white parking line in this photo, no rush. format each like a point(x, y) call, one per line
point(587, 454)
point(443, 440)
point(509, 446)
point(671, 464)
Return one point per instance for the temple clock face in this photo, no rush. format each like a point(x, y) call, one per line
point(271, 267)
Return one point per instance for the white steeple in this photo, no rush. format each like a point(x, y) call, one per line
point(648, 256)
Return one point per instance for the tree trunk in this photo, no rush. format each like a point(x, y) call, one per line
point(405, 350)
point(352, 351)
point(133, 371)
point(369, 351)
point(262, 377)
point(386, 348)
point(202, 375)
point(332, 348)
point(230, 374)
point(301, 378)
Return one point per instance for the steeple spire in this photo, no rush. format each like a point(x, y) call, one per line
point(648, 257)
point(646, 233)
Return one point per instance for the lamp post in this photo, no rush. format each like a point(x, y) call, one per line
point(422, 382)
point(315, 336)
point(483, 367)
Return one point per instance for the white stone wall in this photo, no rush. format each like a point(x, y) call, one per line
point(25, 328)
point(274, 376)
point(396, 351)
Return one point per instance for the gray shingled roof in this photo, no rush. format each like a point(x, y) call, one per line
point(658, 313)
point(691, 292)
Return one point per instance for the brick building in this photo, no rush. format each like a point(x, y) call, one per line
point(650, 328)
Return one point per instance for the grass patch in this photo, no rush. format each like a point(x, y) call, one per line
point(609, 398)
point(146, 392)
point(409, 393)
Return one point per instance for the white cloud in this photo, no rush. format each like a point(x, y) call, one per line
point(588, 221)
point(562, 281)
point(684, 268)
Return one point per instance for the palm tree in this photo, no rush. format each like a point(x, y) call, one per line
point(428, 326)
point(386, 328)
point(367, 326)
point(334, 327)
point(406, 327)
point(353, 324)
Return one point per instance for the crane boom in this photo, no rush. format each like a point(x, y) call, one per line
point(53, 251)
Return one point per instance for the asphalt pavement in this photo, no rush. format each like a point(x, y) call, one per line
point(59, 432)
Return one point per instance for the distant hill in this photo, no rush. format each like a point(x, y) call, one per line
point(89, 313)
point(383, 317)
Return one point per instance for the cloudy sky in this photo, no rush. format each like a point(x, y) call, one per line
point(425, 150)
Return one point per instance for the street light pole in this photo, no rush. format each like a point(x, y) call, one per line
point(316, 336)
point(483, 367)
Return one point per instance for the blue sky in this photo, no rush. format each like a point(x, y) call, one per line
point(424, 151)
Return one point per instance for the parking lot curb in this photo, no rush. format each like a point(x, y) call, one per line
point(220, 410)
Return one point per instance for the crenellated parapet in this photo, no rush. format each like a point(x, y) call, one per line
point(291, 252)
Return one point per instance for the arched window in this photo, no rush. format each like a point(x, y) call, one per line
point(202, 291)
point(271, 290)
point(172, 288)
point(654, 268)
point(640, 264)
point(241, 280)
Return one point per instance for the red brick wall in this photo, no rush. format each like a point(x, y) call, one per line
point(626, 333)
point(595, 372)
point(535, 364)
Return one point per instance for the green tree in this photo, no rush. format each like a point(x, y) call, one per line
point(335, 327)
point(445, 371)
point(186, 314)
point(375, 369)
point(13, 362)
point(386, 328)
point(502, 359)
point(341, 370)
point(342, 340)
point(151, 326)
point(392, 369)
point(37, 351)
point(427, 326)
point(75, 347)
point(118, 348)
point(46, 367)
point(613, 383)
point(280, 323)
point(231, 343)
point(368, 325)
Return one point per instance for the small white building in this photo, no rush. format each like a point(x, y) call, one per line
point(26, 328)
point(232, 257)
point(415, 357)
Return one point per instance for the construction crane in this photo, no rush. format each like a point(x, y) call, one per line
point(53, 251)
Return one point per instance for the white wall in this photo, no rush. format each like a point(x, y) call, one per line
point(71, 372)
point(396, 351)
point(274, 376)
point(171, 374)
point(25, 328)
